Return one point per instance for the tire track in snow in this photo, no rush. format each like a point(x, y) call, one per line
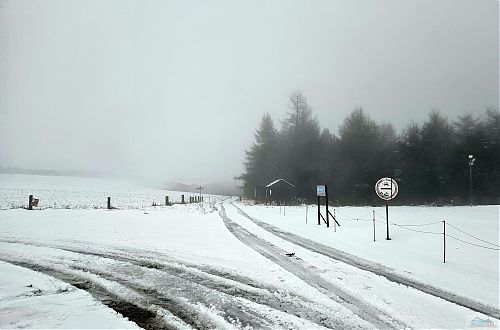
point(374, 267)
point(144, 316)
point(300, 269)
point(150, 307)
point(241, 301)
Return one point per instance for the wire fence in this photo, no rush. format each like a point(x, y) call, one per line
point(418, 231)
point(470, 243)
point(479, 239)
point(405, 226)
point(421, 224)
point(96, 200)
point(409, 227)
point(349, 218)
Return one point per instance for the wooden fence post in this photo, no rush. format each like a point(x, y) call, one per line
point(30, 202)
point(109, 203)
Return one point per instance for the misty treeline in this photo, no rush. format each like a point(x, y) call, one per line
point(429, 160)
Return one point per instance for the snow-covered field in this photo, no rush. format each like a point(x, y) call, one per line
point(207, 265)
point(414, 250)
point(79, 192)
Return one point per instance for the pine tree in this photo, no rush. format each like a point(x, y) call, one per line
point(360, 157)
point(300, 145)
point(410, 163)
point(490, 160)
point(260, 160)
point(437, 156)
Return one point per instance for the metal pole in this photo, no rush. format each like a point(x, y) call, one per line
point(319, 223)
point(334, 221)
point(470, 182)
point(306, 214)
point(387, 219)
point(327, 213)
point(444, 241)
point(374, 225)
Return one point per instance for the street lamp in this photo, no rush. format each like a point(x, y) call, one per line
point(471, 163)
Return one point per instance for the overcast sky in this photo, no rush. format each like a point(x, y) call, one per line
point(175, 89)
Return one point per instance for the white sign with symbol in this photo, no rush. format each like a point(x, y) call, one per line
point(386, 188)
point(320, 191)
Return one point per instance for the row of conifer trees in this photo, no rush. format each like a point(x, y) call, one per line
point(429, 160)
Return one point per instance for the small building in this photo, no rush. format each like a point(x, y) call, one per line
point(280, 190)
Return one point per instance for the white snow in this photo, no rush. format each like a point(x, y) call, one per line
point(29, 299)
point(193, 234)
point(278, 180)
point(469, 270)
point(192, 239)
point(81, 192)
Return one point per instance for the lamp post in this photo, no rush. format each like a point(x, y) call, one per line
point(471, 163)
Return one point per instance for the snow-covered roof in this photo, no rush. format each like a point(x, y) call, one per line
point(276, 181)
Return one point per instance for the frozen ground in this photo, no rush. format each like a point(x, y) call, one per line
point(413, 251)
point(29, 299)
point(180, 260)
point(79, 192)
point(203, 265)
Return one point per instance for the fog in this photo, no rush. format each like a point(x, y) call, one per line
point(174, 90)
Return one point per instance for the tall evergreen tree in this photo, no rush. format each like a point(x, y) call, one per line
point(491, 155)
point(300, 146)
point(328, 151)
point(260, 161)
point(469, 138)
point(437, 156)
point(359, 166)
point(410, 160)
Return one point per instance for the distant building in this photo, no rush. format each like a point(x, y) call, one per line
point(280, 190)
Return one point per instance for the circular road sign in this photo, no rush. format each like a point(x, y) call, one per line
point(386, 188)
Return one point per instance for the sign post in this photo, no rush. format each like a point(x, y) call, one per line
point(386, 189)
point(327, 212)
point(322, 191)
point(319, 212)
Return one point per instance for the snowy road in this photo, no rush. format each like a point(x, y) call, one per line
point(188, 266)
point(370, 290)
point(374, 268)
point(301, 269)
point(156, 291)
